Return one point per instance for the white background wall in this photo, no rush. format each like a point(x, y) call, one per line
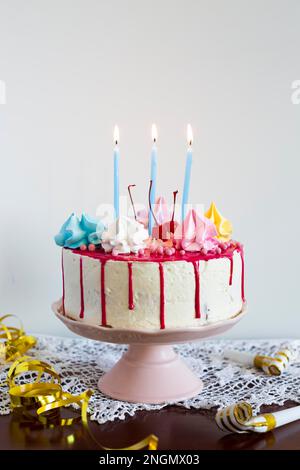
point(75, 67)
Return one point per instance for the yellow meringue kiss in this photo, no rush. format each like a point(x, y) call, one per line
point(223, 226)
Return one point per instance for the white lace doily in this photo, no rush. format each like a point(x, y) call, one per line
point(80, 363)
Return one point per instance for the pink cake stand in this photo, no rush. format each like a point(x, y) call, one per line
point(150, 371)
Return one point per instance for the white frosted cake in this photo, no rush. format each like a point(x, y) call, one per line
point(183, 275)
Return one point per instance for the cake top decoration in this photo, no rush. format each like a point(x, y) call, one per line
point(76, 232)
point(164, 219)
point(124, 236)
point(223, 226)
point(153, 229)
point(197, 233)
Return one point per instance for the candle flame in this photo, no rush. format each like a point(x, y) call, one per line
point(154, 133)
point(116, 135)
point(189, 134)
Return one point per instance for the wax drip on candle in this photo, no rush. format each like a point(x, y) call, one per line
point(131, 199)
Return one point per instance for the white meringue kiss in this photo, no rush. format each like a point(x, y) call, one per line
point(124, 236)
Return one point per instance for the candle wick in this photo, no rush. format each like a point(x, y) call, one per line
point(150, 205)
point(174, 204)
point(131, 199)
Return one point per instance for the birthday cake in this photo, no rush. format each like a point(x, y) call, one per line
point(176, 275)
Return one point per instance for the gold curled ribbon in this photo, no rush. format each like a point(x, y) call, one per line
point(150, 441)
point(47, 397)
point(40, 400)
point(239, 418)
point(16, 342)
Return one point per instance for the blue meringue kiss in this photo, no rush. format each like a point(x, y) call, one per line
point(75, 232)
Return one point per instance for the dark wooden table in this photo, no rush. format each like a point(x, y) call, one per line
point(176, 428)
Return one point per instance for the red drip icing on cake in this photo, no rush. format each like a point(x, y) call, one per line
point(81, 315)
point(63, 282)
point(191, 257)
point(103, 298)
point(162, 296)
point(243, 276)
point(160, 258)
point(197, 289)
point(130, 287)
point(231, 269)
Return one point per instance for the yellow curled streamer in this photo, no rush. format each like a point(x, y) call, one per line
point(16, 341)
point(45, 396)
point(10, 332)
point(150, 441)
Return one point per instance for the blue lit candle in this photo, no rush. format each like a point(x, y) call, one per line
point(187, 175)
point(116, 172)
point(153, 176)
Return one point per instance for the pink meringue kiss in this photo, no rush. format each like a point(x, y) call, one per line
point(196, 232)
point(161, 210)
point(83, 247)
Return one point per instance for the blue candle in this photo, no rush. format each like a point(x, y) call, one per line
point(116, 173)
point(187, 175)
point(153, 176)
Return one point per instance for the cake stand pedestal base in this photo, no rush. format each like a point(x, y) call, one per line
point(150, 373)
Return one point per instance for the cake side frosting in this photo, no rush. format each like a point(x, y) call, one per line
point(184, 274)
point(153, 291)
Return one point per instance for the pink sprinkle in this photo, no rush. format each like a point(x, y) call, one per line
point(182, 252)
point(83, 247)
point(173, 251)
point(160, 250)
point(141, 252)
point(115, 252)
point(92, 247)
point(218, 250)
point(204, 251)
point(168, 252)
